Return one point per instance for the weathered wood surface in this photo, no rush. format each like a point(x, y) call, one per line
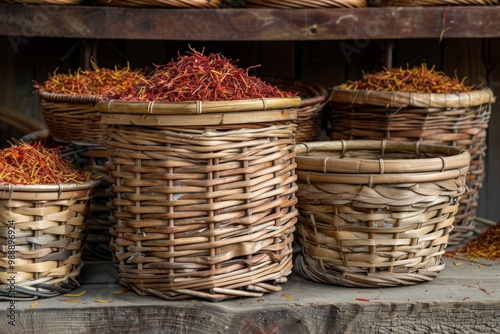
point(462, 299)
point(249, 24)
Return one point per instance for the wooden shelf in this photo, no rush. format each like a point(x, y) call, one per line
point(245, 24)
point(464, 298)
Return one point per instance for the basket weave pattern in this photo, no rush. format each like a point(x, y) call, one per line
point(46, 222)
point(202, 211)
point(462, 122)
point(72, 118)
point(373, 217)
point(310, 114)
point(91, 159)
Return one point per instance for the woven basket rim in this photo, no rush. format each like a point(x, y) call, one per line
point(405, 99)
point(455, 158)
point(69, 98)
point(318, 93)
point(49, 187)
point(196, 107)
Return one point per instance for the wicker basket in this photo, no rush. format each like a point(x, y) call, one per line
point(163, 3)
point(92, 159)
point(72, 118)
point(310, 114)
point(40, 233)
point(376, 213)
point(396, 3)
point(305, 3)
point(450, 119)
point(202, 196)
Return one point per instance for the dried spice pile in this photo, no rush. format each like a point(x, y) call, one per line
point(36, 164)
point(196, 77)
point(486, 246)
point(97, 81)
point(417, 79)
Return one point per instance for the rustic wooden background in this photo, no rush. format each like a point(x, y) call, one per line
point(329, 63)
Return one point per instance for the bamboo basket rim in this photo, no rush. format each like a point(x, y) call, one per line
point(318, 94)
point(53, 187)
point(455, 159)
point(68, 98)
point(405, 99)
point(196, 107)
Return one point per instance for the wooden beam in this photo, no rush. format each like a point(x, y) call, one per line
point(229, 24)
point(462, 299)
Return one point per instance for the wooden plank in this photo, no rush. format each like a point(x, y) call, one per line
point(359, 24)
point(464, 298)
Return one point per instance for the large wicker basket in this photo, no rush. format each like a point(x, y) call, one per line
point(202, 196)
point(72, 118)
point(310, 114)
point(449, 119)
point(40, 238)
point(376, 213)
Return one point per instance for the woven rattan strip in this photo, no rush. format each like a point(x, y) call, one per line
point(310, 114)
point(450, 119)
point(305, 3)
point(378, 213)
point(163, 3)
point(394, 3)
point(40, 238)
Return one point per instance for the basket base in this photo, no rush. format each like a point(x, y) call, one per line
point(308, 268)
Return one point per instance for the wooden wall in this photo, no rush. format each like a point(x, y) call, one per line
point(326, 62)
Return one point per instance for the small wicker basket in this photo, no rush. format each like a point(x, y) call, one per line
point(449, 119)
point(310, 114)
point(72, 118)
point(40, 238)
point(91, 159)
point(376, 213)
point(202, 196)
